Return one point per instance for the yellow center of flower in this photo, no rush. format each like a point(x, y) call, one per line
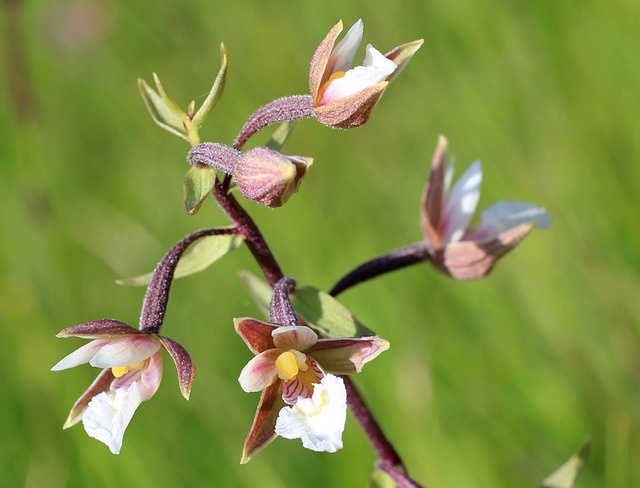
point(121, 370)
point(289, 363)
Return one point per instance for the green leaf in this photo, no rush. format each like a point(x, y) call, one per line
point(162, 109)
point(216, 90)
point(202, 255)
point(280, 135)
point(326, 314)
point(259, 289)
point(380, 479)
point(198, 183)
point(319, 309)
point(565, 476)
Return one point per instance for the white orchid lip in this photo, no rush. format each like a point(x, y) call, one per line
point(376, 68)
point(319, 420)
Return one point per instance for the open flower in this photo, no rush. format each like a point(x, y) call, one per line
point(297, 357)
point(290, 362)
point(318, 421)
point(132, 370)
point(457, 249)
point(343, 97)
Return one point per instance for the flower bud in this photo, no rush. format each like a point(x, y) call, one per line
point(269, 177)
point(343, 96)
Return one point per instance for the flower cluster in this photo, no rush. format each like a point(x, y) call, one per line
point(301, 356)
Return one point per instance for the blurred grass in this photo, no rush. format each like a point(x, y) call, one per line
point(493, 383)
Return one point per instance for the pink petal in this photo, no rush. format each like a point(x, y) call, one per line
point(184, 365)
point(433, 196)
point(351, 111)
point(99, 329)
point(295, 337)
point(126, 351)
point(348, 355)
point(263, 428)
point(256, 334)
point(151, 376)
point(471, 260)
point(461, 204)
point(319, 61)
point(260, 372)
point(81, 355)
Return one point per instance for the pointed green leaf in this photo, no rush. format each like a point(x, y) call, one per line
point(260, 290)
point(280, 135)
point(216, 90)
point(326, 314)
point(198, 183)
point(318, 309)
point(380, 479)
point(202, 255)
point(565, 476)
point(163, 111)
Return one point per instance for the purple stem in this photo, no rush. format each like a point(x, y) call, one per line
point(217, 156)
point(392, 261)
point(280, 310)
point(280, 110)
point(253, 237)
point(383, 447)
point(157, 296)
point(397, 473)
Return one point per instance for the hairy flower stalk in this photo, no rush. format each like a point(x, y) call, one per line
point(280, 110)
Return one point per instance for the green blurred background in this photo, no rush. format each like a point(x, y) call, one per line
point(487, 384)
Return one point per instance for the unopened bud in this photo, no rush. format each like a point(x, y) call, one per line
point(269, 177)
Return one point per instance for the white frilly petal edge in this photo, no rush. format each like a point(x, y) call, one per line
point(318, 421)
point(461, 203)
point(507, 215)
point(109, 413)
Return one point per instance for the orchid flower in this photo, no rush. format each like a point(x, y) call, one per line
point(344, 97)
point(291, 367)
point(130, 358)
point(132, 370)
point(457, 249)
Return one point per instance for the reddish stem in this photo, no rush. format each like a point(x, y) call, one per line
point(247, 227)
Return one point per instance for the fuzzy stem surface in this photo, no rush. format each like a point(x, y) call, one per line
point(156, 298)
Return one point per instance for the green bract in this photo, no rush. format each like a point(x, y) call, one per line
point(198, 183)
point(202, 255)
point(320, 310)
